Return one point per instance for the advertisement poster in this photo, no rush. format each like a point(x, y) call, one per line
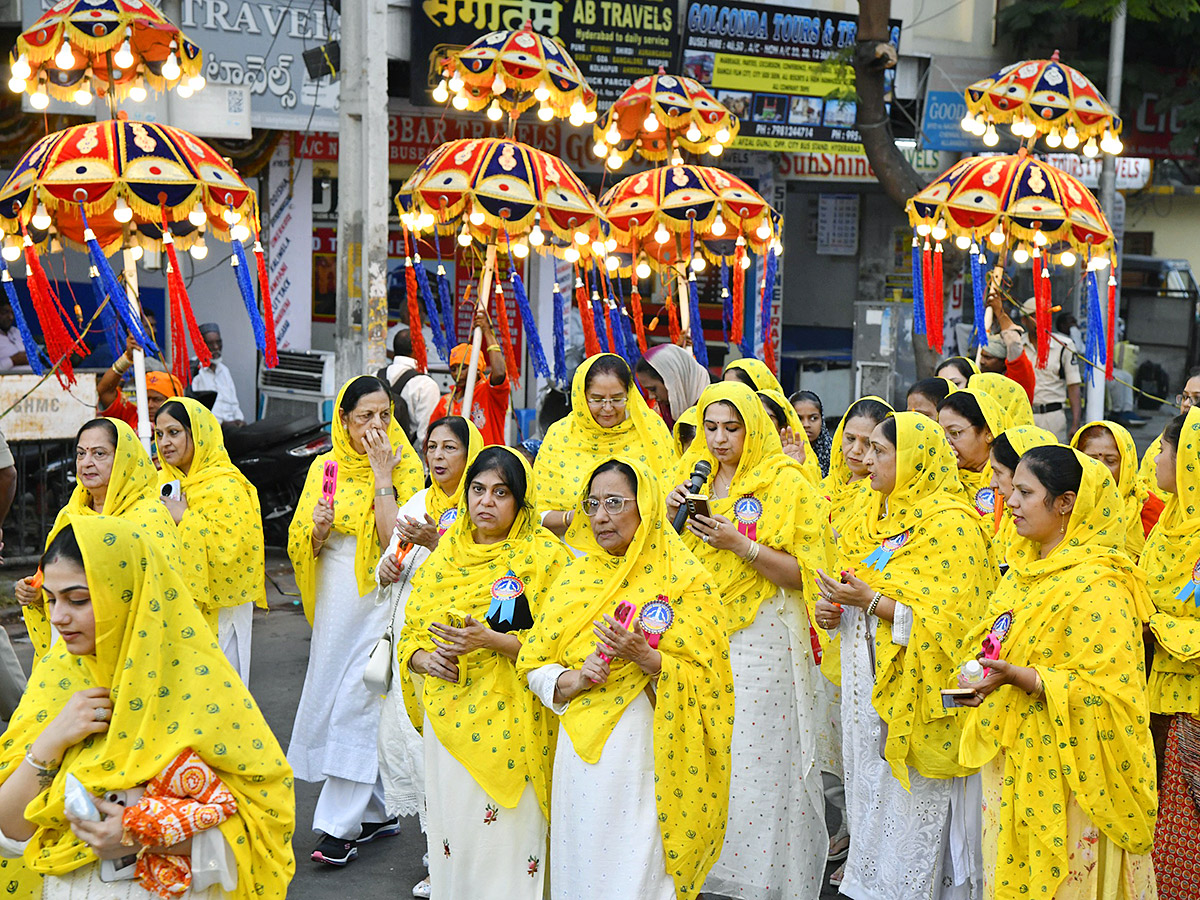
point(614, 42)
point(784, 72)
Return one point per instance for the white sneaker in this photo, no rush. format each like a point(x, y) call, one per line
point(423, 888)
point(425, 859)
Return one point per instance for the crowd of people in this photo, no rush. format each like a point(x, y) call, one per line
point(653, 661)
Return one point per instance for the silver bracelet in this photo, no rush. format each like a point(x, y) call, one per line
point(874, 603)
point(41, 766)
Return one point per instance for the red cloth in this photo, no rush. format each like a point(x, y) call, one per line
point(1020, 370)
point(1176, 863)
point(122, 409)
point(489, 409)
point(1151, 510)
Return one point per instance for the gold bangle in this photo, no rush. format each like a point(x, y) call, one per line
point(752, 553)
point(121, 366)
point(492, 347)
point(1039, 689)
point(385, 492)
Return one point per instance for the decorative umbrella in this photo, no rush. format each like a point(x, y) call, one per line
point(510, 71)
point(679, 215)
point(1043, 98)
point(1015, 203)
point(660, 113)
point(501, 194)
point(107, 47)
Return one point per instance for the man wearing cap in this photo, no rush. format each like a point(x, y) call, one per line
point(160, 387)
point(1004, 353)
point(1056, 384)
point(217, 377)
point(489, 405)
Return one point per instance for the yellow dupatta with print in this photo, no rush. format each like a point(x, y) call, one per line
point(762, 376)
point(353, 504)
point(1171, 560)
point(574, 446)
point(1009, 396)
point(977, 484)
point(923, 546)
point(132, 495)
point(770, 498)
point(1089, 736)
point(810, 467)
point(1128, 485)
point(172, 690)
point(693, 714)
point(492, 723)
point(437, 502)
point(1148, 471)
point(220, 536)
point(1022, 440)
point(847, 498)
point(688, 418)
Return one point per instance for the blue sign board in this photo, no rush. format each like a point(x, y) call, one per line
point(940, 124)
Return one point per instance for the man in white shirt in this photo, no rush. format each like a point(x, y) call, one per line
point(217, 377)
point(12, 349)
point(419, 392)
point(1058, 383)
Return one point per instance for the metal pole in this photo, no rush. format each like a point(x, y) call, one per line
point(362, 191)
point(485, 290)
point(139, 357)
point(1108, 192)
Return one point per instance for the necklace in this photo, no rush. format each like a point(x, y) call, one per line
point(719, 489)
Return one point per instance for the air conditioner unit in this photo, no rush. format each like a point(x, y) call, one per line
point(302, 375)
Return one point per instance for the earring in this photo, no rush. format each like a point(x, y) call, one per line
point(1062, 526)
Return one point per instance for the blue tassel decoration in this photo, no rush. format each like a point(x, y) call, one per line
point(612, 312)
point(768, 295)
point(917, 291)
point(447, 300)
point(598, 312)
point(537, 355)
point(747, 346)
point(246, 285)
point(978, 289)
point(726, 301)
point(699, 346)
point(625, 321)
point(560, 337)
point(431, 308)
point(114, 334)
point(33, 353)
point(118, 298)
point(1097, 350)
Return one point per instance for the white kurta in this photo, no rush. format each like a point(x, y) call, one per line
point(605, 812)
point(218, 378)
point(776, 840)
point(921, 844)
point(479, 849)
point(337, 722)
point(234, 626)
point(401, 750)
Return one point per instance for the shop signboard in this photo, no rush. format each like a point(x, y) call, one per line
point(941, 127)
point(614, 42)
point(1133, 172)
point(785, 72)
point(40, 410)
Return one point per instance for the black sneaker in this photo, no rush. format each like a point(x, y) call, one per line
point(335, 851)
point(373, 830)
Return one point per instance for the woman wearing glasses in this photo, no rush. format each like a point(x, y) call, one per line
point(1148, 470)
point(972, 420)
point(608, 418)
point(630, 652)
point(767, 534)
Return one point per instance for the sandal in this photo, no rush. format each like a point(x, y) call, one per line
point(839, 845)
point(838, 874)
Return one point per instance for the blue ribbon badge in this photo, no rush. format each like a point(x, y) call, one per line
point(1191, 590)
point(881, 555)
point(505, 592)
point(985, 501)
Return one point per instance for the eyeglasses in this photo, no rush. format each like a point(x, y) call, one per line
point(957, 433)
point(612, 505)
point(614, 402)
point(1189, 399)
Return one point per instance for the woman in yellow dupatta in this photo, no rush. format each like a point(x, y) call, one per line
point(1171, 560)
point(924, 396)
point(846, 485)
point(754, 373)
point(488, 740)
point(791, 433)
point(1112, 445)
point(1006, 452)
point(958, 370)
point(114, 476)
point(137, 682)
point(646, 726)
point(1009, 396)
point(608, 418)
point(766, 537)
point(919, 573)
point(218, 524)
point(684, 431)
point(1061, 727)
point(334, 548)
point(972, 420)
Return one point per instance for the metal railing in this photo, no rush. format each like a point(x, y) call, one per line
point(45, 479)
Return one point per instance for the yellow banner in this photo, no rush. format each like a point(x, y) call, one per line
point(779, 76)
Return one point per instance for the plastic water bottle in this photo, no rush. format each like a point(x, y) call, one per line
point(972, 671)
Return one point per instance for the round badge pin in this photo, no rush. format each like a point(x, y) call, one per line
point(1196, 572)
point(896, 541)
point(507, 588)
point(985, 501)
point(446, 519)
point(748, 510)
point(1003, 623)
point(656, 616)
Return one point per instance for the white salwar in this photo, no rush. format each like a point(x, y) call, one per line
point(919, 844)
point(336, 733)
point(479, 849)
point(605, 811)
point(401, 750)
point(234, 624)
point(776, 840)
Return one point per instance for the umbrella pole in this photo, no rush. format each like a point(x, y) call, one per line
point(485, 291)
point(994, 281)
point(139, 356)
point(685, 309)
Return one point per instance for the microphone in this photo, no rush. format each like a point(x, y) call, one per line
point(699, 476)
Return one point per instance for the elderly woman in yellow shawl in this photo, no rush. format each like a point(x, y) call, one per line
point(1009, 396)
point(641, 771)
point(1112, 445)
point(114, 476)
point(1171, 560)
point(451, 445)
point(334, 544)
point(1006, 452)
point(1061, 724)
point(136, 701)
point(488, 747)
point(218, 524)
point(917, 573)
point(972, 420)
point(608, 418)
point(766, 535)
point(847, 485)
